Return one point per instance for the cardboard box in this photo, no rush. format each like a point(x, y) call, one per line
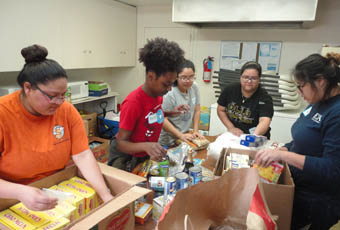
point(101, 151)
point(97, 88)
point(279, 196)
point(92, 122)
point(115, 214)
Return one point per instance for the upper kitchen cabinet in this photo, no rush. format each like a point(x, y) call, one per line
point(77, 33)
point(98, 33)
point(24, 23)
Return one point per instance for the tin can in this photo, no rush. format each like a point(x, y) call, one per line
point(170, 185)
point(181, 180)
point(195, 174)
point(163, 166)
point(206, 178)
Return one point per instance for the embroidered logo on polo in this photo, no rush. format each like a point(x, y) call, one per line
point(317, 117)
point(58, 131)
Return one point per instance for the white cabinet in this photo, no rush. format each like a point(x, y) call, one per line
point(24, 23)
point(216, 126)
point(77, 33)
point(99, 33)
point(281, 126)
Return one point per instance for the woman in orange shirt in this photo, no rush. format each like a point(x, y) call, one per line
point(40, 132)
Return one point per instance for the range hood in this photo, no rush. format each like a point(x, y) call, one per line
point(245, 13)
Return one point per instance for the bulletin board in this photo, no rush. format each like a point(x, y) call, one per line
point(235, 53)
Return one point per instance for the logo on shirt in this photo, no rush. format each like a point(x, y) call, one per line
point(58, 131)
point(155, 117)
point(317, 117)
point(261, 103)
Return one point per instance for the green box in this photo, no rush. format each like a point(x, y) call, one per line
point(97, 85)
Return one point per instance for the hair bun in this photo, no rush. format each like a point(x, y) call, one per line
point(34, 53)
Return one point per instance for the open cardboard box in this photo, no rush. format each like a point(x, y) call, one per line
point(100, 152)
point(115, 214)
point(279, 196)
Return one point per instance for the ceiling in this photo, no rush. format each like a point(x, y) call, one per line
point(146, 2)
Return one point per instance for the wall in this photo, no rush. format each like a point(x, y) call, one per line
point(296, 43)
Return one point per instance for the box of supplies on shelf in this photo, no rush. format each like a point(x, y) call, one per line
point(98, 88)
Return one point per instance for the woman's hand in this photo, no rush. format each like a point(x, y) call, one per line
point(236, 131)
point(36, 200)
point(187, 137)
point(155, 151)
point(198, 135)
point(184, 108)
point(266, 157)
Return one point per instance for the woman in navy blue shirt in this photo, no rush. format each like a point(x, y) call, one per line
point(314, 153)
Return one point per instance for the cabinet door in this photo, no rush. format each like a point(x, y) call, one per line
point(24, 24)
point(97, 33)
point(125, 33)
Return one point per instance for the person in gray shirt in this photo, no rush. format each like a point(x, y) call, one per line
point(184, 91)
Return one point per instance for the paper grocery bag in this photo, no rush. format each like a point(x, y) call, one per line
point(223, 203)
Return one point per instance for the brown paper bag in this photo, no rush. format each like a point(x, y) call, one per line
point(219, 204)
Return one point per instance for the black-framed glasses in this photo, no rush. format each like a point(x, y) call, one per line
point(299, 87)
point(250, 78)
point(54, 99)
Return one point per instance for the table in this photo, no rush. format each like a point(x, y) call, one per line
point(151, 224)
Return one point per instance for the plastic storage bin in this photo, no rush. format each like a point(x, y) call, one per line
point(107, 128)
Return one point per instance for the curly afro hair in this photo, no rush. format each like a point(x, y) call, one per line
point(161, 56)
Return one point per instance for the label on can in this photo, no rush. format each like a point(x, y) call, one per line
point(195, 174)
point(171, 185)
point(157, 183)
point(181, 180)
point(206, 178)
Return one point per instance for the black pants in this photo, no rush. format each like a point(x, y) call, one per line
point(321, 213)
point(121, 160)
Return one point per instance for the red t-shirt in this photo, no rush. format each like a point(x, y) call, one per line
point(143, 116)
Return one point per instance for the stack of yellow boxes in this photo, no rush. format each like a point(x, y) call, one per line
point(82, 201)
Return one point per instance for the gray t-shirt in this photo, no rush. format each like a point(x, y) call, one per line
point(181, 122)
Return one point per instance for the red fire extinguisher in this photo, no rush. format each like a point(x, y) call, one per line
point(207, 68)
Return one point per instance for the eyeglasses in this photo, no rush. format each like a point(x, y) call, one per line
point(52, 99)
point(249, 78)
point(301, 86)
point(187, 78)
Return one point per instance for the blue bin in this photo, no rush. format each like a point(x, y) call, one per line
point(107, 128)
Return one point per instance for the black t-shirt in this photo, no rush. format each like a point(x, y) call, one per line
point(244, 113)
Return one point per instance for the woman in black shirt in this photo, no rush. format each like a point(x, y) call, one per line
point(245, 107)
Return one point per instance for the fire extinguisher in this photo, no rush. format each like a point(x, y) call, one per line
point(207, 68)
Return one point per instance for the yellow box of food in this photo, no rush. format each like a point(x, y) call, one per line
point(36, 218)
point(82, 190)
point(87, 184)
point(14, 221)
point(55, 225)
point(53, 214)
point(77, 200)
point(4, 226)
point(67, 209)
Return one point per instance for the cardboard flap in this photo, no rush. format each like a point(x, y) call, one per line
point(111, 207)
point(127, 177)
point(226, 198)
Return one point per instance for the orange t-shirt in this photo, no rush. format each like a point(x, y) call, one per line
point(33, 147)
